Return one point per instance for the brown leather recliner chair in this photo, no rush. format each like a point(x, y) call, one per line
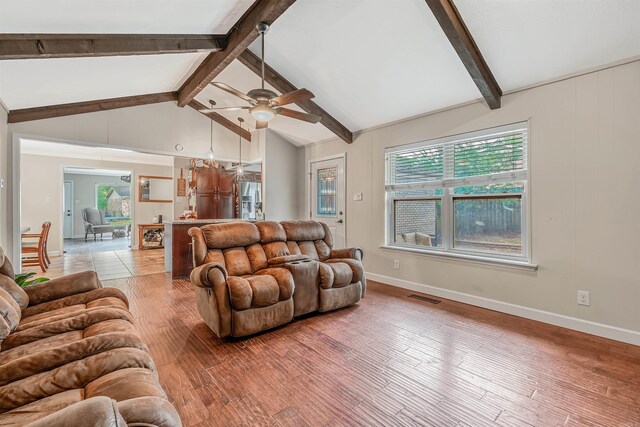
point(341, 273)
point(237, 292)
point(66, 341)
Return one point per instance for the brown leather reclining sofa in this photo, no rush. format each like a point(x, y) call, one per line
point(70, 355)
point(250, 277)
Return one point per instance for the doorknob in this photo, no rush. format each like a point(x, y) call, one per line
point(339, 221)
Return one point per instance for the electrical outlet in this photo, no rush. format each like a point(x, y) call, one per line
point(583, 298)
point(396, 264)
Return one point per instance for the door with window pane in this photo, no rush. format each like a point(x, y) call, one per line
point(328, 197)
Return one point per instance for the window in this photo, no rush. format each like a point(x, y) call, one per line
point(463, 194)
point(115, 201)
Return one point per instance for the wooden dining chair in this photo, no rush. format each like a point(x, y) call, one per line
point(34, 251)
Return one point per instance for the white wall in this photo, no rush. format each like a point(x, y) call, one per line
point(5, 233)
point(585, 198)
point(41, 199)
point(283, 178)
point(180, 203)
point(84, 195)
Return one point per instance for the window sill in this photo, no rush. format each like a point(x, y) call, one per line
point(520, 265)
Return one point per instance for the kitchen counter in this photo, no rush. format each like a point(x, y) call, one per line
point(178, 258)
point(202, 221)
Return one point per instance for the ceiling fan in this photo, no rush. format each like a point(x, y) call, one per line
point(265, 103)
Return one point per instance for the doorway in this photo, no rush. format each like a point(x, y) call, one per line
point(101, 208)
point(328, 192)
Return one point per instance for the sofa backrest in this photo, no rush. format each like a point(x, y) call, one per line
point(310, 238)
point(234, 245)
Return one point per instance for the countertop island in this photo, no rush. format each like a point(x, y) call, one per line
point(178, 258)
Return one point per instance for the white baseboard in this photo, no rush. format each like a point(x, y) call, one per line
point(593, 328)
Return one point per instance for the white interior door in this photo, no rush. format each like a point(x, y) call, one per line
point(68, 210)
point(328, 197)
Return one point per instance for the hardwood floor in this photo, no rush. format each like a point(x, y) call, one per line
point(390, 360)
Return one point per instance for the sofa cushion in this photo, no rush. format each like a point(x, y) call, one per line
point(15, 291)
point(101, 297)
point(230, 235)
point(236, 261)
point(357, 269)
point(275, 249)
point(40, 408)
point(271, 231)
point(303, 230)
point(240, 292)
point(265, 290)
point(342, 274)
point(308, 248)
point(257, 257)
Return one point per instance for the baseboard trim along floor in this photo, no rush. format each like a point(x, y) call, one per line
point(593, 328)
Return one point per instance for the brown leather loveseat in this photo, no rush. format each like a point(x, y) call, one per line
point(70, 355)
point(250, 277)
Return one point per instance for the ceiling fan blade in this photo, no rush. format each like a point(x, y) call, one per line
point(291, 97)
point(311, 118)
point(213, 110)
point(233, 91)
point(261, 125)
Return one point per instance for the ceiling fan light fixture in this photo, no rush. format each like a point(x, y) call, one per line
point(262, 113)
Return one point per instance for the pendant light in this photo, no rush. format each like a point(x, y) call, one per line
point(211, 153)
point(240, 169)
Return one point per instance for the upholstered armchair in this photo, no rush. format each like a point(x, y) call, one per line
point(94, 223)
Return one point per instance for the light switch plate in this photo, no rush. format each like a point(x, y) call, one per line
point(357, 197)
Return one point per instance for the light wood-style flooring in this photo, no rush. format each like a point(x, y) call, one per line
point(388, 361)
point(109, 265)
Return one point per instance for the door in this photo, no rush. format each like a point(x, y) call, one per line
point(68, 210)
point(328, 191)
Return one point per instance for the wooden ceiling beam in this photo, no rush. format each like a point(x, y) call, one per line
point(458, 34)
point(238, 39)
point(51, 111)
point(221, 120)
point(30, 46)
point(282, 85)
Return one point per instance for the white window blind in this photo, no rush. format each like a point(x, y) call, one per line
point(498, 157)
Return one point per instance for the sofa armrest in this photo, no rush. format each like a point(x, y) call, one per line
point(286, 258)
point(62, 287)
point(209, 275)
point(100, 411)
point(353, 253)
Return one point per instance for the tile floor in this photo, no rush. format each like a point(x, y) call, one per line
point(109, 265)
point(79, 246)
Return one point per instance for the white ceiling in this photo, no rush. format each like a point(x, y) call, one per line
point(527, 42)
point(121, 16)
point(57, 149)
point(369, 62)
point(36, 82)
point(95, 171)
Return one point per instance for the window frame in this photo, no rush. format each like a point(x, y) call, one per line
point(448, 197)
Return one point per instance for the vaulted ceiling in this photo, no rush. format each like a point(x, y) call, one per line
point(368, 62)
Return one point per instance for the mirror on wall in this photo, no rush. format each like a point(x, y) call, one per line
point(155, 189)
